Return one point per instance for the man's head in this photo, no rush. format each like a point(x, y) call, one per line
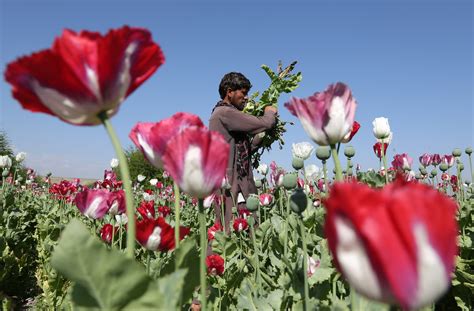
point(233, 89)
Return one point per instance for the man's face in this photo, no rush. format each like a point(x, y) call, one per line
point(238, 98)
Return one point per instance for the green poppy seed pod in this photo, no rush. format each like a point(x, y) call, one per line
point(297, 163)
point(290, 180)
point(298, 201)
point(350, 172)
point(251, 221)
point(349, 151)
point(457, 152)
point(252, 202)
point(443, 167)
point(351, 165)
point(258, 183)
point(418, 176)
point(5, 172)
point(433, 173)
point(323, 153)
point(468, 150)
point(461, 166)
point(423, 171)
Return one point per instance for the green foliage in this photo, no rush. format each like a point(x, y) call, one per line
point(138, 165)
point(284, 81)
point(5, 148)
point(107, 279)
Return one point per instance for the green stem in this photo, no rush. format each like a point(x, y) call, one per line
point(325, 172)
point(176, 214)
point(203, 243)
point(305, 265)
point(337, 163)
point(286, 226)
point(125, 175)
point(384, 157)
point(470, 167)
point(255, 249)
point(148, 259)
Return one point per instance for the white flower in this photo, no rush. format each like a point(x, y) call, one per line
point(121, 219)
point(114, 163)
point(140, 178)
point(5, 161)
point(153, 181)
point(312, 172)
point(387, 140)
point(148, 197)
point(20, 156)
point(262, 169)
point(302, 150)
point(381, 128)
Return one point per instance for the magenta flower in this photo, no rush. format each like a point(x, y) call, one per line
point(435, 159)
point(197, 159)
point(117, 200)
point(84, 74)
point(94, 203)
point(266, 199)
point(448, 159)
point(240, 224)
point(425, 160)
point(402, 162)
point(152, 138)
point(327, 117)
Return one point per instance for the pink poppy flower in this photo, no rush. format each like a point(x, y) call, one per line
point(266, 199)
point(448, 159)
point(94, 203)
point(197, 160)
point(402, 162)
point(84, 74)
point(435, 159)
point(397, 244)
point(425, 159)
point(117, 200)
point(327, 117)
point(152, 138)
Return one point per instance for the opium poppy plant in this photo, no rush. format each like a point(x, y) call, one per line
point(397, 244)
point(85, 74)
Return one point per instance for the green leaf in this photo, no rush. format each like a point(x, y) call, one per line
point(185, 257)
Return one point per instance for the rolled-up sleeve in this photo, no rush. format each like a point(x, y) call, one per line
point(238, 121)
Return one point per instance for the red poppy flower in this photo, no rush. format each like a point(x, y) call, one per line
point(106, 233)
point(240, 224)
point(215, 264)
point(156, 234)
point(397, 244)
point(211, 232)
point(164, 210)
point(378, 149)
point(147, 209)
point(355, 128)
point(84, 74)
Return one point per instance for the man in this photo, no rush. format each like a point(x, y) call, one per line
point(238, 128)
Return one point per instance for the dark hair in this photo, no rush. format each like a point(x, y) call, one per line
point(233, 81)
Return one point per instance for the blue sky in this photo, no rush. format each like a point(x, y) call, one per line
point(409, 61)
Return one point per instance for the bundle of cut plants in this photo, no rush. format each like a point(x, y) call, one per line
point(283, 81)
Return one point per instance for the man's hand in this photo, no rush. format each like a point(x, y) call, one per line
point(271, 108)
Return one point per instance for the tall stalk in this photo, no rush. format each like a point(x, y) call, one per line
point(125, 175)
point(337, 163)
point(176, 214)
point(203, 244)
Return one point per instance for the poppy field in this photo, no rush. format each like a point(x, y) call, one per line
point(395, 237)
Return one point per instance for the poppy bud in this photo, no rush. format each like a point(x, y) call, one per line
point(468, 151)
point(5, 172)
point(297, 163)
point(443, 167)
point(290, 180)
point(433, 173)
point(349, 151)
point(461, 166)
point(258, 183)
point(298, 201)
point(423, 171)
point(252, 202)
point(323, 153)
point(457, 152)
